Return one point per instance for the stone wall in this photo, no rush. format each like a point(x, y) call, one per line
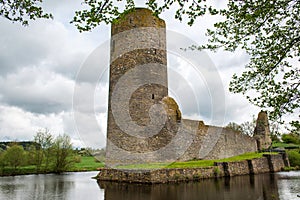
point(268, 163)
point(275, 162)
point(157, 176)
point(231, 143)
point(259, 165)
point(211, 142)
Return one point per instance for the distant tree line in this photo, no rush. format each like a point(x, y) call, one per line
point(47, 153)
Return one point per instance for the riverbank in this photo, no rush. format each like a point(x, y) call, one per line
point(266, 163)
point(87, 163)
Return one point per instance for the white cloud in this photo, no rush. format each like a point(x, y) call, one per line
point(17, 124)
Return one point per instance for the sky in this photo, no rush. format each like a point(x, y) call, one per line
point(52, 76)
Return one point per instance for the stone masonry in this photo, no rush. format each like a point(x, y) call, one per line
point(262, 131)
point(144, 124)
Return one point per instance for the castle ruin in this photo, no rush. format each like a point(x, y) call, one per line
point(144, 123)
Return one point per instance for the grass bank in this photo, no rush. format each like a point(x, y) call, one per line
point(87, 163)
point(193, 163)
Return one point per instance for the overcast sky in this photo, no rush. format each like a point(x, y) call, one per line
point(49, 71)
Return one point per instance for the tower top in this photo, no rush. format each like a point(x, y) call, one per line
point(136, 18)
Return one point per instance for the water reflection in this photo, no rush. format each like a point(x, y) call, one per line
point(258, 187)
point(51, 186)
point(73, 186)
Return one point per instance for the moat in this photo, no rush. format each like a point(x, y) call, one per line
point(72, 186)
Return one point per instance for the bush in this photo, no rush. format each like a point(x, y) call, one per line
point(2, 161)
point(291, 138)
point(99, 158)
point(294, 157)
point(15, 156)
point(77, 159)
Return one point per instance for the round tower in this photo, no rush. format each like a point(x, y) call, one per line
point(137, 82)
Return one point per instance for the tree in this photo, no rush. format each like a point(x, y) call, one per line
point(43, 151)
point(2, 161)
point(249, 126)
point(14, 156)
point(246, 128)
point(31, 155)
point(234, 126)
point(22, 11)
point(62, 153)
point(108, 10)
point(269, 32)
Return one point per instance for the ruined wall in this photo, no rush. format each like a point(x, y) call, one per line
point(211, 142)
point(268, 163)
point(232, 143)
point(262, 131)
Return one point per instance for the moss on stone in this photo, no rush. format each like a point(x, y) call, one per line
point(136, 18)
point(143, 12)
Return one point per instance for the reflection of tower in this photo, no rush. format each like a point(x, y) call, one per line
point(138, 39)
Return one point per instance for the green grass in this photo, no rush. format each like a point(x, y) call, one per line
point(87, 163)
point(30, 169)
point(283, 145)
point(193, 163)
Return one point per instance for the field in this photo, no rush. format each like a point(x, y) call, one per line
point(87, 163)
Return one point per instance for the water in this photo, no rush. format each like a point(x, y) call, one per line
point(72, 186)
point(51, 187)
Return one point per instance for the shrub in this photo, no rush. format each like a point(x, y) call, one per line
point(99, 158)
point(291, 138)
point(15, 156)
point(77, 159)
point(294, 157)
point(2, 160)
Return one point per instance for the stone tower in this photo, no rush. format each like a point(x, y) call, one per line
point(137, 83)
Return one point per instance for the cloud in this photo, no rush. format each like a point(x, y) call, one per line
point(46, 45)
point(49, 68)
point(17, 124)
point(37, 90)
